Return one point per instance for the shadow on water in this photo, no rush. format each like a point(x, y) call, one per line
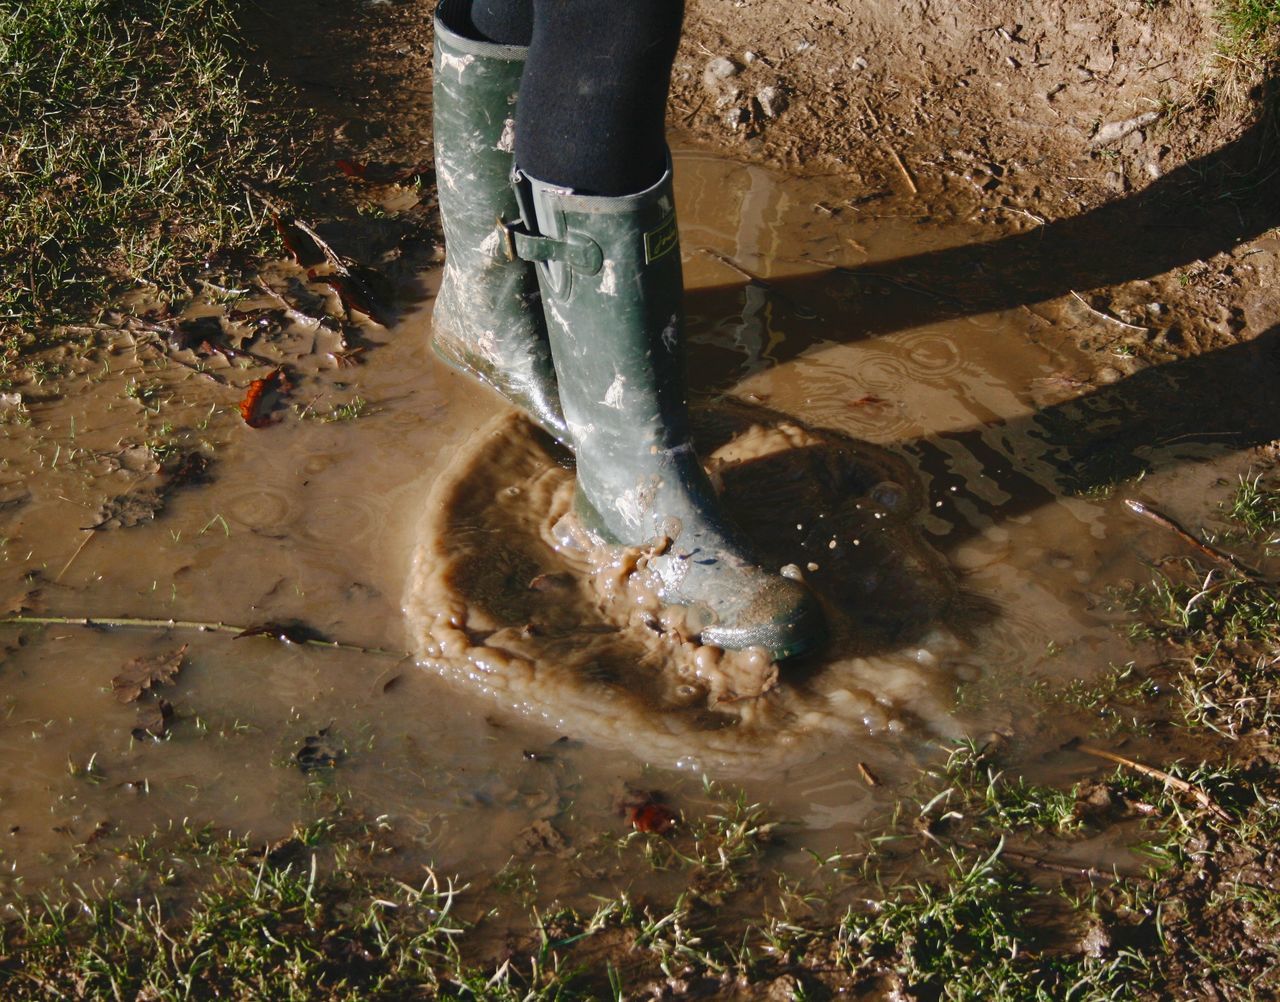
point(1205, 207)
point(1228, 399)
point(1153, 419)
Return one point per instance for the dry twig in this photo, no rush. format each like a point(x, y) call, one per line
point(1181, 785)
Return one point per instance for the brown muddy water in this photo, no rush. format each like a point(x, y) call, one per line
point(869, 429)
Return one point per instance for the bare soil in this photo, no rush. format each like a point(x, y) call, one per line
point(1114, 133)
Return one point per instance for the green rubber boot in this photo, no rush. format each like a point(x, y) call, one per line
point(487, 319)
point(612, 290)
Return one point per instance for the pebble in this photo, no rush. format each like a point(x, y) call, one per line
point(717, 71)
point(772, 100)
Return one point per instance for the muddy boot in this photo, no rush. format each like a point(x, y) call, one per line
point(612, 289)
point(487, 319)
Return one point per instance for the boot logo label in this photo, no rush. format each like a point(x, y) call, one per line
point(661, 240)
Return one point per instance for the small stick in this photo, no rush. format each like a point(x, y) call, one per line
point(801, 311)
point(906, 174)
point(1075, 870)
point(867, 775)
point(728, 262)
point(871, 114)
point(1202, 798)
point(1107, 316)
point(1048, 864)
point(1165, 522)
point(134, 622)
point(72, 559)
point(1054, 865)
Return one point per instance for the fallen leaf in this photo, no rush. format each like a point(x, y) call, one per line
point(312, 252)
point(126, 510)
point(153, 720)
point(289, 633)
point(353, 294)
point(13, 498)
point(541, 837)
point(304, 243)
point(281, 853)
point(196, 333)
point(381, 173)
point(646, 812)
point(23, 601)
point(188, 468)
point(255, 406)
point(141, 674)
point(652, 817)
point(99, 830)
point(319, 751)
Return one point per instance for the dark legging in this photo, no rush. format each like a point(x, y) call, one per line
point(593, 97)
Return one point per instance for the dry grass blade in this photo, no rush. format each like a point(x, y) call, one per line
point(1181, 785)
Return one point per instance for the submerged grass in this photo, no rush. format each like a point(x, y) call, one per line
point(126, 137)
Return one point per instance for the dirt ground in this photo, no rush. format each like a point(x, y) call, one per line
point(1114, 163)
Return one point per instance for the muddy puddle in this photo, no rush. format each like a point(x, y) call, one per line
point(919, 461)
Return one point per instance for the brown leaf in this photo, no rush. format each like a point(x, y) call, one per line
point(381, 173)
point(353, 293)
point(141, 674)
point(99, 830)
point(541, 838)
point(319, 751)
point(258, 398)
point(652, 817)
point(153, 720)
point(646, 812)
point(188, 468)
point(304, 243)
point(126, 510)
point(23, 601)
point(289, 633)
point(196, 333)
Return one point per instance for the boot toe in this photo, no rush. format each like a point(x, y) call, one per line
point(783, 617)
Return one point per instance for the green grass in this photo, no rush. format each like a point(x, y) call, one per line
point(126, 136)
point(254, 930)
point(1251, 28)
point(1255, 510)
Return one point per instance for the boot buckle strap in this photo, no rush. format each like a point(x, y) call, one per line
point(582, 255)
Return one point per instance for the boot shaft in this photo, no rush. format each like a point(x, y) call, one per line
point(474, 89)
point(612, 287)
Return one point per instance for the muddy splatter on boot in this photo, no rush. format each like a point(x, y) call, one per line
point(612, 288)
point(487, 319)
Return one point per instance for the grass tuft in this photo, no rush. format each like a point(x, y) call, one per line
point(127, 135)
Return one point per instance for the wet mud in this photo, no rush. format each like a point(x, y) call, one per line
point(505, 607)
point(936, 469)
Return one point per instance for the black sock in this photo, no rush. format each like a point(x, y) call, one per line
point(591, 114)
